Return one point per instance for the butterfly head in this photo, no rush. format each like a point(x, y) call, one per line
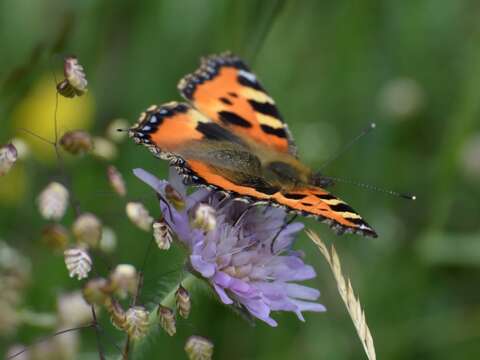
point(318, 179)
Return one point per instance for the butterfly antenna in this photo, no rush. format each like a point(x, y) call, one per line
point(347, 146)
point(372, 187)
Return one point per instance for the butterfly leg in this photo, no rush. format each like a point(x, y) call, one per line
point(243, 213)
point(267, 205)
point(223, 200)
point(283, 227)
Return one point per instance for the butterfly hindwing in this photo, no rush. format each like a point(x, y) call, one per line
point(312, 201)
point(225, 90)
point(318, 203)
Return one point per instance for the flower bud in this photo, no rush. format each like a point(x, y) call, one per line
point(199, 348)
point(78, 262)
point(55, 236)
point(167, 319)
point(124, 280)
point(104, 149)
point(73, 310)
point(65, 89)
point(113, 128)
point(8, 156)
point(174, 197)
point(95, 291)
point(75, 82)
point(15, 273)
point(117, 314)
point(87, 229)
point(53, 201)
point(23, 150)
point(75, 74)
point(402, 98)
point(136, 322)
point(108, 241)
point(205, 218)
point(184, 305)
point(76, 142)
point(162, 233)
point(139, 215)
point(116, 180)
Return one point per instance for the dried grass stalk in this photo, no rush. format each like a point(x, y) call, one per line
point(345, 289)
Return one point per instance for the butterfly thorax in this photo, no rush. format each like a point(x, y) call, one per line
point(249, 164)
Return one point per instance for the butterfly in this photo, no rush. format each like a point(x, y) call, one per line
point(230, 136)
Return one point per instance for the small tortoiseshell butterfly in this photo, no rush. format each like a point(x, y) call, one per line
point(231, 137)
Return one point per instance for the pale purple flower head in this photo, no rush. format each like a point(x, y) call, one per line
point(236, 256)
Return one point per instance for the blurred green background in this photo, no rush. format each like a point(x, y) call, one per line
point(413, 67)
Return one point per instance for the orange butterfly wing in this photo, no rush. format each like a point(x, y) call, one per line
point(225, 90)
point(313, 201)
point(228, 94)
point(318, 203)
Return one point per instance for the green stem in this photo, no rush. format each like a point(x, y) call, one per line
point(268, 13)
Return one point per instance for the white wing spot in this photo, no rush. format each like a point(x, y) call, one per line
point(247, 75)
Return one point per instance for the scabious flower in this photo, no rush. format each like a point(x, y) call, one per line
point(235, 257)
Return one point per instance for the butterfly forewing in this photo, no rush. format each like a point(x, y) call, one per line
point(226, 90)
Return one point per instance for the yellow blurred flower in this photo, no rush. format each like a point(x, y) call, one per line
point(36, 114)
point(13, 185)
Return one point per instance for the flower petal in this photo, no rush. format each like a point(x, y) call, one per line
point(176, 180)
point(259, 309)
point(205, 268)
point(151, 180)
point(222, 294)
point(302, 292)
